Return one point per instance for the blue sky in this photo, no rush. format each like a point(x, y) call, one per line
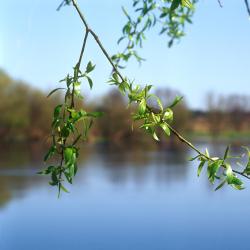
point(40, 45)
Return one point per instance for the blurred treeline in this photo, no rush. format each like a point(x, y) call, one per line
point(26, 115)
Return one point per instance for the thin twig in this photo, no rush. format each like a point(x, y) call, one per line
point(96, 39)
point(247, 6)
point(78, 66)
point(189, 144)
point(220, 3)
point(83, 48)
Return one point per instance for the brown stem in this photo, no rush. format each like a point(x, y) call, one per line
point(96, 39)
point(77, 67)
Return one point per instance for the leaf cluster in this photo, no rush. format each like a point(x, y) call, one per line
point(65, 128)
point(219, 169)
point(152, 118)
point(170, 15)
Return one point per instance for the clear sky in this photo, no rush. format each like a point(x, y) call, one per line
point(40, 45)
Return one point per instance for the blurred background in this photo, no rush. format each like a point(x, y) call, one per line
point(131, 192)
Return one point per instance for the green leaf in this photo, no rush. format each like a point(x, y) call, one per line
point(90, 67)
point(142, 107)
point(115, 77)
point(54, 177)
point(176, 101)
point(220, 185)
point(65, 132)
point(53, 91)
point(186, 3)
point(206, 152)
point(50, 153)
point(159, 103)
point(68, 155)
point(201, 165)
point(175, 4)
point(147, 125)
point(68, 177)
point(168, 115)
point(122, 87)
point(226, 153)
point(95, 114)
point(232, 179)
point(126, 13)
point(247, 168)
point(63, 188)
point(155, 136)
point(156, 118)
point(237, 187)
point(194, 158)
point(47, 171)
point(165, 128)
point(90, 82)
point(57, 111)
point(75, 169)
point(72, 170)
point(212, 169)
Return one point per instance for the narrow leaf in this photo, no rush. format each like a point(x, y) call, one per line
point(200, 168)
point(226, 153)
point(175, 4)
point(176, 101)
point(186, 3)
point(90, 82)
point(90, 67)
point(53, 91)
point(156, 137)
point(221, 185)
point(165, 128)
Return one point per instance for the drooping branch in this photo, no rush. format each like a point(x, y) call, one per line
point(115, 69)
point(190, 145)
point(65, 134)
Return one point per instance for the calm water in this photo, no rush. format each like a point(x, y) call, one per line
point(120, 200)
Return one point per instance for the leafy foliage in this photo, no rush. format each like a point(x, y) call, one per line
point(151, 118)
point(220, 169)
point(65, 135)
point(171, 15)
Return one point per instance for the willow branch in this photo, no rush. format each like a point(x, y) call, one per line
point(115, 69)
point(190, 145)
point(88, 29)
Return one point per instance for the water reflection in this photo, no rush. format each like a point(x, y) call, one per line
point(122, 199)
point(141, 165)
point(119, 165)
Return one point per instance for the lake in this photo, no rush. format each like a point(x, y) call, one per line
point(121, 199)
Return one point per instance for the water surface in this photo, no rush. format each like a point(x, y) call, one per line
point(121, 199)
